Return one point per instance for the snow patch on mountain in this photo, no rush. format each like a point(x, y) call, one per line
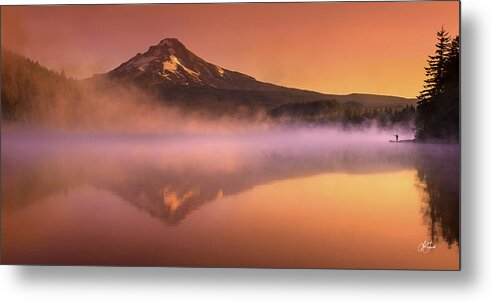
point(220, 71)
point(142, 63)
point(171, 64)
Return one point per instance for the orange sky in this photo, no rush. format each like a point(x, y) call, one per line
point(338, 47)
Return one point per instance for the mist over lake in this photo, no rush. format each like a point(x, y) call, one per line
point(297, 197)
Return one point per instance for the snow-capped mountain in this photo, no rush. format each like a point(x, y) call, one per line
point(173, 73)
point(170, 62)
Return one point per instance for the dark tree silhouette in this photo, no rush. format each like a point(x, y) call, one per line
point(435, 71)
point(438, 107)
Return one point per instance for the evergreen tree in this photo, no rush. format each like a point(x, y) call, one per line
point(435, 71)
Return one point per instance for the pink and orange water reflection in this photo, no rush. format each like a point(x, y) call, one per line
point(241, 203)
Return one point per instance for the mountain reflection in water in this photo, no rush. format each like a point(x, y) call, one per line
point(171, 177)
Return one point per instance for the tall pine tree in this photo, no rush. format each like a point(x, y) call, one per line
point(435, 71)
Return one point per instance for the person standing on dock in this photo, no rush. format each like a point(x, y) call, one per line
point(396, 135)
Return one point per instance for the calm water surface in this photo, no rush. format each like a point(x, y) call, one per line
point(279, 199)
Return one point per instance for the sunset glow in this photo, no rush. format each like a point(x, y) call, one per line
point(337, 48)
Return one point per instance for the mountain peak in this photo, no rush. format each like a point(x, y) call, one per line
point(170, 42)
point(170, 63)
point(168, 46)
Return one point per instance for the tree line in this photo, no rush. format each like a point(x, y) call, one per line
point(347, 114)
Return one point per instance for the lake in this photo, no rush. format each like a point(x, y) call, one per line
point(290, 198)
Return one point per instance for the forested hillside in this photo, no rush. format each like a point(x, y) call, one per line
point(30, 91)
